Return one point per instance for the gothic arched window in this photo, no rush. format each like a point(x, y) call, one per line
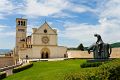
point(18, 23)
point(24, 23)
point(21, 23)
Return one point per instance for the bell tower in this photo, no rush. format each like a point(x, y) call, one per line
point(21, 30)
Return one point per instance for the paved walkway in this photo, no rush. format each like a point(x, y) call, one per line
point(34, 60)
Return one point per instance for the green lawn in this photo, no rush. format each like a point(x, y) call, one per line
point(52, 70)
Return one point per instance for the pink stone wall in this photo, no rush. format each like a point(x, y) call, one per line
point(6, 61)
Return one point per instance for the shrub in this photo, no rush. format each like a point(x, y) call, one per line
point(90, 64)
point(110, 70)
point(83, 75)
point(107, 71)
point(2, 75)
point(21, 68)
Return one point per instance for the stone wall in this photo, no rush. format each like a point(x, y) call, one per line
point(6, 61)
point(84, 54)
point(115, 53)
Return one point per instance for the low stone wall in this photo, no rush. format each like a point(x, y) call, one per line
point(84, 54)
point(6, 61)
point(79, 54)
point(115, 53)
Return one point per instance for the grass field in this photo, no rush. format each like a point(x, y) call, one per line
point(52, 70)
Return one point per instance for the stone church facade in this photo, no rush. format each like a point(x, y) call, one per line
point(42, 43)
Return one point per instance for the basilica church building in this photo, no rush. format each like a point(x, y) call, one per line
point(41, 44)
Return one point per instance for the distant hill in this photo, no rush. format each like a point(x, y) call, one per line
point(4, 51)
point(115, 45)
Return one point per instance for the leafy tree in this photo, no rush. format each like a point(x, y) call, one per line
point(80, 47)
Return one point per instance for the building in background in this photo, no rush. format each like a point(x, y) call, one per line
point(42, 43)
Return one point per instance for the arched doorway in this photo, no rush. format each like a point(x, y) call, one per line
point(42, 55)
point(45, 53)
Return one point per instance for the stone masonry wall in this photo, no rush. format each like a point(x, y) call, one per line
point(84, 54)
point(6, 61)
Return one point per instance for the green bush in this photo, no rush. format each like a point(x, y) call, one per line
point(107, 71)
point(88, 74)
point(90, 64)
point(2, 75)
point(21, 68)
point(110, 70)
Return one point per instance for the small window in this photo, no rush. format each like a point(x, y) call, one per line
point(45, 31)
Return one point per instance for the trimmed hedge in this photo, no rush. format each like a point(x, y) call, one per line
point(107, 71)
point(91, 64)
point(111, 70)
point(2, 75)
point(21, 68)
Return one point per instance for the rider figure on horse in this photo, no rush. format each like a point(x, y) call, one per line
point(99, 42)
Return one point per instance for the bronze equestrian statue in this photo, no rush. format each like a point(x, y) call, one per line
point(100, 49)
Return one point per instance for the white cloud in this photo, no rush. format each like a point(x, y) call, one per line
point(110, 17)
point(81, 32)
point(43, 8)
point(79, 8)
point(7, 34)
point(6, 8)
point(108, 27)
point(36, 8)
point(4, 32)
point(2, 27)
point(55, 8)
point(111, 9)
point(63, 15)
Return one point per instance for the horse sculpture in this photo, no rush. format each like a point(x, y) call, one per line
point(100, 49)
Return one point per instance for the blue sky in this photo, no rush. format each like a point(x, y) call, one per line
point(75, 20)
